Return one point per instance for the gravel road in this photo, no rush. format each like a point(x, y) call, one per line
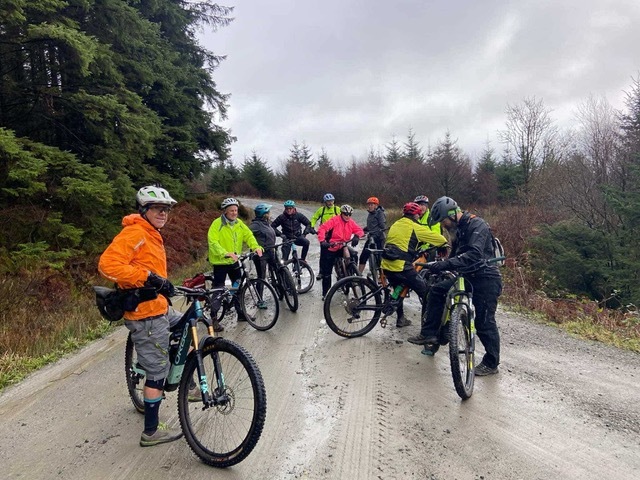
point(365, 408)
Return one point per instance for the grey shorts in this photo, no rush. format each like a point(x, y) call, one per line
point(151, 340)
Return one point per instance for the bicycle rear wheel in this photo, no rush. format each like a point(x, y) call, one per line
point(289, 288)
point(225, 433)
point(353, 306)
point(135, 375)
point(259, 303)
point(461, 351)
point(303, 275)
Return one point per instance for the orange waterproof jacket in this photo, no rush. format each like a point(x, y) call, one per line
point(137, 250)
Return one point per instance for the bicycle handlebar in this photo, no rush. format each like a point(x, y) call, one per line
point(488, 261)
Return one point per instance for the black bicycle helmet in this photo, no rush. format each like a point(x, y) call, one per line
point(444, 207)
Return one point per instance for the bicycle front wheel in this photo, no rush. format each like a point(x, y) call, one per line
point(226, 432)
point(353, 306)
point(461, 351)
point(259, 303)
point(135, 376)
point(303, 275)
point(288, 288)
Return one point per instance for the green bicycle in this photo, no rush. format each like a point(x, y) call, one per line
point(224, 425)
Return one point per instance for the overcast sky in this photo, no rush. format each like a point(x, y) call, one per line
point(348, 75)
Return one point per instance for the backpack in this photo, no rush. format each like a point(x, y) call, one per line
point(498, 250)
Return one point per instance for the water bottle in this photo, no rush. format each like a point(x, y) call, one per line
point(396, 292)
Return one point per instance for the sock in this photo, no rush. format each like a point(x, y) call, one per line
point(151, 410)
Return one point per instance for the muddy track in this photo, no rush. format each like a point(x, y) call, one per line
point(364, 408)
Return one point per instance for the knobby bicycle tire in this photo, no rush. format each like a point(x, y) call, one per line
point(461, 354)
point(303, 275)
point(353, 306)
point(135, 380)
point(288, 288)
point(276, 284)
point(224, 434)
point(259, 303)
point(352, 270)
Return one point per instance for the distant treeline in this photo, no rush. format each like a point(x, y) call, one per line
point(98, 98)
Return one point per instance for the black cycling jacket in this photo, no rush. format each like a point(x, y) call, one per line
point(472, 245)
point(291, 225)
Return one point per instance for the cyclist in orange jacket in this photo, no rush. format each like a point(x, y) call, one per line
point(136, 258)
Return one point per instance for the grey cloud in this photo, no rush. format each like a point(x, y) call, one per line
point(348, 75)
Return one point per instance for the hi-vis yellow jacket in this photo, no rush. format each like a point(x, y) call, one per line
point(407, 235)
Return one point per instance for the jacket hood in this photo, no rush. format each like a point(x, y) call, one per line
point(136, 218)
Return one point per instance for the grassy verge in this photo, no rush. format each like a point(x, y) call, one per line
point(14, 367)
point(66, 330)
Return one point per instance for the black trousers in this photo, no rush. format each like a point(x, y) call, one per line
point(301, 242)
point(486, 291)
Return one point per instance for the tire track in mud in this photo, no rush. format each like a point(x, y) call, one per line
point(318, 414)
point(359, 429)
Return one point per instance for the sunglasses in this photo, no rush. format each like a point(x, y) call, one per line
point(347, 214)
point(160, 209)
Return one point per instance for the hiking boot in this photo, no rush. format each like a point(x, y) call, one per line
point(194, 394)
point(319, 276)
point(163, 434)
point(403, 322)
point(482, 370)
point(241, 316)
point(420, 340)
point(262, 305)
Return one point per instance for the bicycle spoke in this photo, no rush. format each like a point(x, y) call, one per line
point(225, 433)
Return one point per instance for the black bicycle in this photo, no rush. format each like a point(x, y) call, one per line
point(223, 422)
point(374, 257)
point(258, 300)
point(282, 280)
point(345, 264)
point(355, 304)
point(303, 275)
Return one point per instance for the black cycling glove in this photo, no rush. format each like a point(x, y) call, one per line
point(355, 240)
point(161, 284)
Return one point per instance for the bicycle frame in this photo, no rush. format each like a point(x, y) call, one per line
point(341, 264)
point(190, 343)
point(458, 295)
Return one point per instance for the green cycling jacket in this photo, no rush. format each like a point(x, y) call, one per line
point(324, 213)
point(424, 220)
point(224, 237)
point(407, 235)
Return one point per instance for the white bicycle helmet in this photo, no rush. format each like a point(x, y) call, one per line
point(328, 197)
point(227, 202)
point(154, 196)
point(346, 209)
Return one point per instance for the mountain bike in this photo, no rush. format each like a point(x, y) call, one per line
point(303, 275)
point(345, 264)
point(257, 298)
point(354, 305)
point(282, 280)
point(457, 328)
point(225, 424)
point(374, 256)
